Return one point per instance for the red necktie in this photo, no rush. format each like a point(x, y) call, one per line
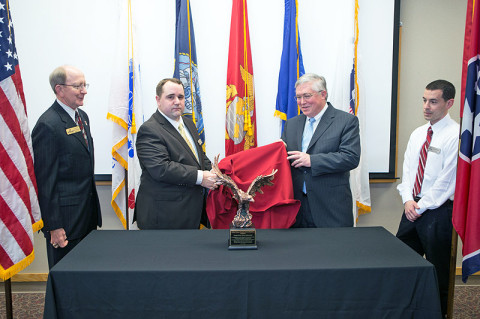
point(78, 119)
point(421, 163)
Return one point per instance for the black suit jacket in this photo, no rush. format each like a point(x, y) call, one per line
point(168, 196)
point(334, 150)
point(64, 168)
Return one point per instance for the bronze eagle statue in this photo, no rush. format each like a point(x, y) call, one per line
point(243, 218)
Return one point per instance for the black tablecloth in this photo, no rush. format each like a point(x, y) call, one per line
point(295, 273)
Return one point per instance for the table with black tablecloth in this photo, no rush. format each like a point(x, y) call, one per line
point(295, 273)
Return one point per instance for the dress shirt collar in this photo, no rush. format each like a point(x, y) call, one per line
point(317, 118)
point(68, 109)
point(441, 124)
point(173, 122)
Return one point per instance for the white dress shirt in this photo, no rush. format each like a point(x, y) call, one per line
point(317, 118)
point(440, 169)
point(68, 109)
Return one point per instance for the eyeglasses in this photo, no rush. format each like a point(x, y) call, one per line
point(78, 87)
point(306, 96)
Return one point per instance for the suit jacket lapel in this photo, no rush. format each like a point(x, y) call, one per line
point(325, 122)
point(173, 131)
point(299, 133)
point(69, 123)
point(193, 132)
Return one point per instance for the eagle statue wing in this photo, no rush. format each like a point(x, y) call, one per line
point(225, 179)
point(259, 182)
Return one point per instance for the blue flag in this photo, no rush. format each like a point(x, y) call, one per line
point(353, 92)
point(186, 65)
point(291, 65)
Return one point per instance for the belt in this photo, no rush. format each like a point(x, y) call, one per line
point(448, 201)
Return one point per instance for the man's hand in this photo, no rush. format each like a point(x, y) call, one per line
point(410, 210)
point(299, 159)
point(58, 238)
point(209, 180)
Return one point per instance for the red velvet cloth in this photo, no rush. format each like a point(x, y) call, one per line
point(275, 208)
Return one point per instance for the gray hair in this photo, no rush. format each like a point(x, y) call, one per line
point(318, 82)
point(58, 76)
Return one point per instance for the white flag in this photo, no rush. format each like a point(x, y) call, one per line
point(125, 110)
point(347, 95)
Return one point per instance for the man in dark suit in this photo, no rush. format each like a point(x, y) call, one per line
point(175, 170)
point(323, 145)
point(64, 166)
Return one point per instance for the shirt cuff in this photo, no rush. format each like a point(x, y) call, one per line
point(199, 177)
point(421, 210)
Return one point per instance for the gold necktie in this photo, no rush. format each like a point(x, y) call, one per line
point(185, 137)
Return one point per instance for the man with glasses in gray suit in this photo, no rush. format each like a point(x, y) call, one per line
point(323, 145)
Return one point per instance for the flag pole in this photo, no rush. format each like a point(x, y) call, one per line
point(127, 213)
point(453, 252)
point(453, 266)
point(8, 298)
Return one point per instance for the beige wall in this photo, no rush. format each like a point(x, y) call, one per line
point(431, 48)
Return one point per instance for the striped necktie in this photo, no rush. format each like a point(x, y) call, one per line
point(421, 163)
point(181, 129)
point(79, 122)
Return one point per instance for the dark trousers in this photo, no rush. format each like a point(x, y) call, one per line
point(54, 255)
point(431, 236)
point(304, 216)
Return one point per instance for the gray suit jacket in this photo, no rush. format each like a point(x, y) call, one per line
point(334, 151)
point(168, 197)
point(64, 168)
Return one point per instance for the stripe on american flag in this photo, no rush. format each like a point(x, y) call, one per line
point(20, 212)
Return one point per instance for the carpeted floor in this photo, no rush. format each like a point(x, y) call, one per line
point(29, 305)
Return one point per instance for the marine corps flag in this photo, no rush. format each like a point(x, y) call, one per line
point(241, 132)
point(186, 69)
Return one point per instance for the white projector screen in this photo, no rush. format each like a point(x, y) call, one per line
point(85, 34)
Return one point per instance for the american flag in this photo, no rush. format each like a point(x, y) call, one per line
point(19, 209)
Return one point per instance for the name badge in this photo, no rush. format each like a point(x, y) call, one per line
point(73, 130)
point(434, 150)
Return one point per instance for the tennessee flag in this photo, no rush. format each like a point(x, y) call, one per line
point(125, 110)
point(186, 69)
point(241, 126)
point(466, 206)
point(291, 65)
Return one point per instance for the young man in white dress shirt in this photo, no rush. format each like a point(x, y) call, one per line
point(428, 183)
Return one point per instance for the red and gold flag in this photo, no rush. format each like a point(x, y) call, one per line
point(240, 128)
